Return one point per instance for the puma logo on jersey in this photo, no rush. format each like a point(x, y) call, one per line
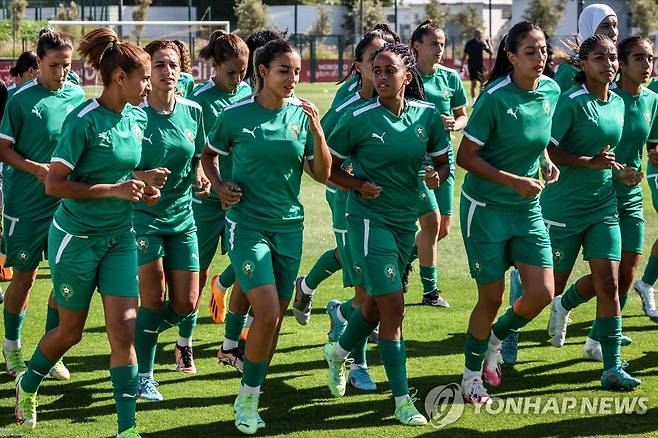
point(381, 137)
point(37, 112)
point(512, 112)
point(105, 138)
point(149, 138)
point(247, 131)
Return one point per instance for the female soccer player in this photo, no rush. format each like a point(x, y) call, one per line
point(382, 209)
point(185, 83)
point(91, 244)
point(166, 234)
point(581, 208)
point(596, 19)
point(501, 220)
point(228, 55)
point(29, 132)
point(443, 88)
point(26, 69)
point(640, 128)
point(269, 135)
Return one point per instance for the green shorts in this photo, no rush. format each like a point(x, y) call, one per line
point(261, 258)
point(496, 238)
point(445, 194)
point(350, 279)
point(380, 254)
point(210, 226)
point(180, 252)
point(599, 236)
point(652, 181)
point(631, 223)
point(81, 264)
point(24, 242)
point(426, 199)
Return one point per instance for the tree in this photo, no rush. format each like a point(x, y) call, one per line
point(645, 15)
point(17, 13)
point(252, 16)
point(436, 13)
point(469, 19)
point(545, 13)
point(67, 12)
point(139, 14)
point(373, 13)
point(322, 26)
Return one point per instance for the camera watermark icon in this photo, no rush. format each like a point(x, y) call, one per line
point(444, 405)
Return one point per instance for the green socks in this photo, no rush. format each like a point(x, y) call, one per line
point(146, 337)
point(609, 333)
point(52, 319)
point(254, 373)
point(474, 351)
point(359, 352)
point(651, 271)
point(186, 326)
point(234, 325)
point(571, 298)
point(38, 368)
point(169, 317)
point(428, 278)
point(227, 278)
point(323, 269)
point(357, 329)
point(13, 325)
point(394, 357)
point(346, 309)
point(124, 385)
point(623, 298)
point(508, 323)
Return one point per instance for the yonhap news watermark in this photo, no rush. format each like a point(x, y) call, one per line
point(444, 405)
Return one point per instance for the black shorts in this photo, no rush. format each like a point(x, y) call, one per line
point(476, 72)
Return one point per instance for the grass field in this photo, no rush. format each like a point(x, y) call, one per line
point(296, 401)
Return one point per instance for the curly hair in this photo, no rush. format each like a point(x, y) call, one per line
point(415, 88)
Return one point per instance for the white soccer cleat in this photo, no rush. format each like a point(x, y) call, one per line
point(645, 291)
point(592, 350)
point(474, 392)
point(557, 324)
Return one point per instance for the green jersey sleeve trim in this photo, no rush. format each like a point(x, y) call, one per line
point(22, 88)
point(441, 152)
point(333, 152)
point(473, 139)
point(583, 90)
point(209, 84)
point(8, 137)
point(63, 161)
point(348, 102)
point(214, 149)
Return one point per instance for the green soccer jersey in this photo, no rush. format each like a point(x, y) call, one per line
point(171, 141)
point(640, 127)
point(565, 76)
point(185, 84)
point(100, 147)
point(268, 149)
point(73, 77)
point(11, 90)
point(513, 127)
point(583, 125)
point(387, 150)
point(33, 124)
point(213, 101)
point(653, 85)
point(346, 89)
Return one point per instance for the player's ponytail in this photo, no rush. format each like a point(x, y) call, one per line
point(27, 60)
point(223, 46)
point(51, 40)
point(509, 43)
point(256, 40)
point(265, 55)
point(103, 51)
point(361, 47)
point(415, 88)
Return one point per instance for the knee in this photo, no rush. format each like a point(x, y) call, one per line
point(430, 223)
point(270, 319)
point(185, 308)
point(69, 337)
point(443, 232)
point(491, 304)
point(22, 282)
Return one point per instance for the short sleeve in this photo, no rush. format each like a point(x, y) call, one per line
point(562, 119)
point(309, 147)
point(341, 139)
point(72, 142)
point(200, 141)
point(459, 98)
point(12, 121)
point(439, 138)
point(482, 121)
point(219, 139)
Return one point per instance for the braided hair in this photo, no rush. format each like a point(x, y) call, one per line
point(583, 49)
point(415, 88)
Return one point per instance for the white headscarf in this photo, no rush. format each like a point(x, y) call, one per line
point(590, 19)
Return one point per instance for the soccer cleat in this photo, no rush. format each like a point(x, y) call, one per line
point(337, 327)
point(626, 341)
point(336, 375)
point(26, 404)
point(360, 379)
point(434, 299)
point(406, 413)
point(129, 433)
point(592, 351)
point(184, 357)
point(14, 361)
point(246, 413)
point(616, 379)
point(373, 337)
point(59, 371)
point(147, 389)
point(510, 349)
point(303, 303)
point(217, 301)
point(475, 393)
point(491, 368)
point(406, 276)
point(557, 324)
point(2, 296)
point(645, 291)
point(233, 358)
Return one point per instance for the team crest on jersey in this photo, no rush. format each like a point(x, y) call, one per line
point(143, 244)
point(446, 94)
point(422, 196)
point(23, 256)
point(547, 106)
point(295, 130)
point(248, 267)
point(69, 108)
point(647, 116)
point(357, 269)
point(420, 132)
point(67, 291)
point(189, 136)
point(390, 272)
point(138, 133)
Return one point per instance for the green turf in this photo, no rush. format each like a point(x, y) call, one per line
point(296, 401)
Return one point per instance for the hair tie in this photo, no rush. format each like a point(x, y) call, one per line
point(109, 46)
